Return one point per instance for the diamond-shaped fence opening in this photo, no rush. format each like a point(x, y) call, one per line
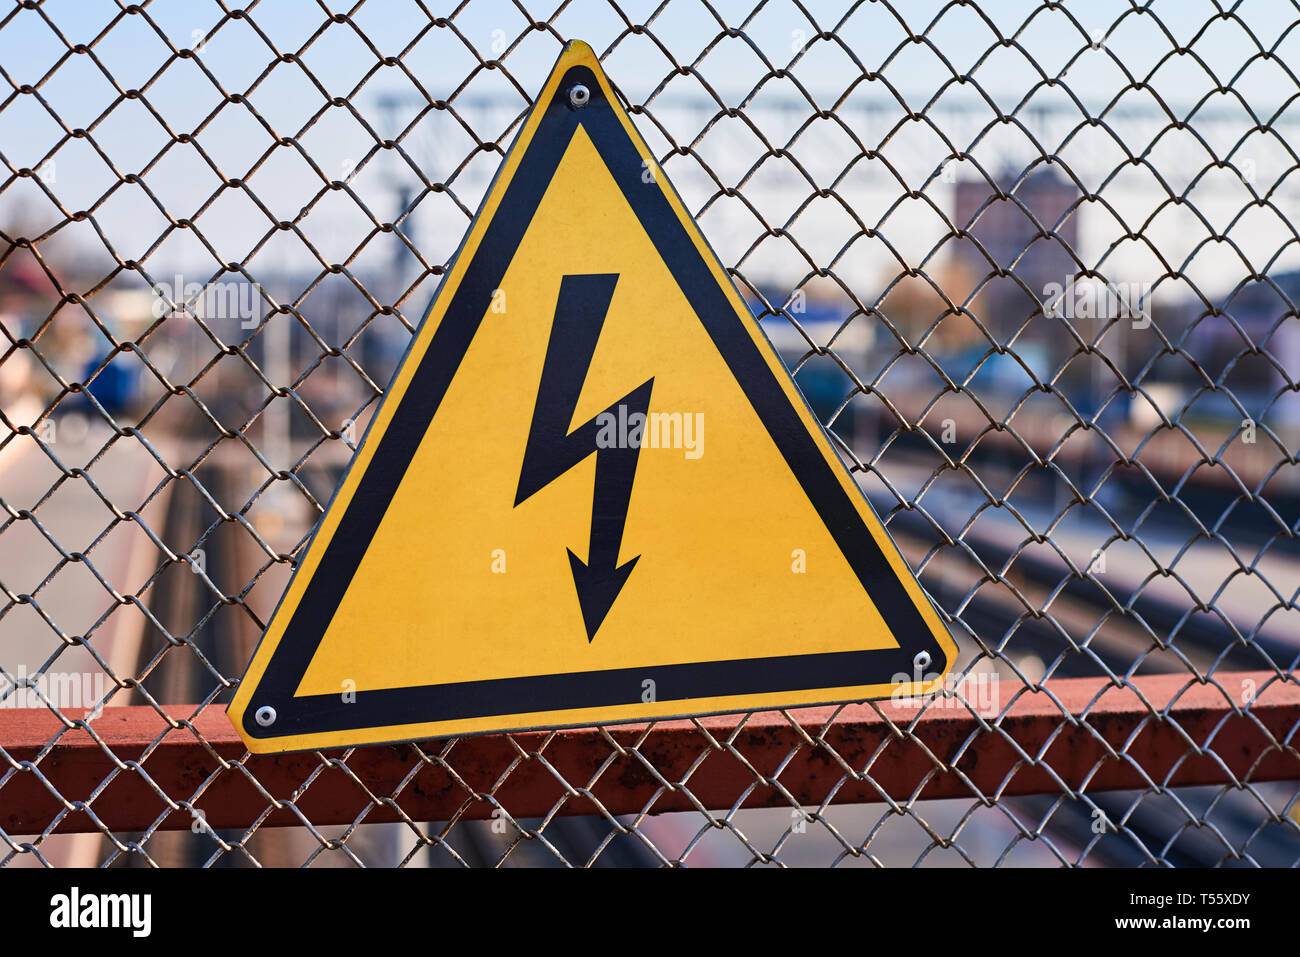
point(1033, 267)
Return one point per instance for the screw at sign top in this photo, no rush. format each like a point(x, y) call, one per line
point(579, 96)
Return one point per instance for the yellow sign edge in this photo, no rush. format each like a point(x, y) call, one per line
point(575, 53)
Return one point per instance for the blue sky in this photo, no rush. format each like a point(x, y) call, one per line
point(235, 55)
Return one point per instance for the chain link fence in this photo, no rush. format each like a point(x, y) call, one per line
point(1032, 264)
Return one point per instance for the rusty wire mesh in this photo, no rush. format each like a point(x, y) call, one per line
point(1033, 265)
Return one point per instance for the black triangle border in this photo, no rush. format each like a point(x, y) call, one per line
point(393, 707)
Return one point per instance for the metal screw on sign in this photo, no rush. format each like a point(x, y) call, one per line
point(579, 96)
point(922, 660)
point(265, 716)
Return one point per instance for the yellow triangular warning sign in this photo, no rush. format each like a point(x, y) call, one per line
point(591, 494)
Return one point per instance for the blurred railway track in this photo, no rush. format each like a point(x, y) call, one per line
point(187, 607)
point(1157, 830)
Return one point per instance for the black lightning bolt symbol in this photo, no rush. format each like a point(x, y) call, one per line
point(552, 450)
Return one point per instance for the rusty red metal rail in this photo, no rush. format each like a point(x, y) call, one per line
point(1085, 754)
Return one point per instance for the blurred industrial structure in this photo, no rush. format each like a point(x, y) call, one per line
point(1053, 331)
